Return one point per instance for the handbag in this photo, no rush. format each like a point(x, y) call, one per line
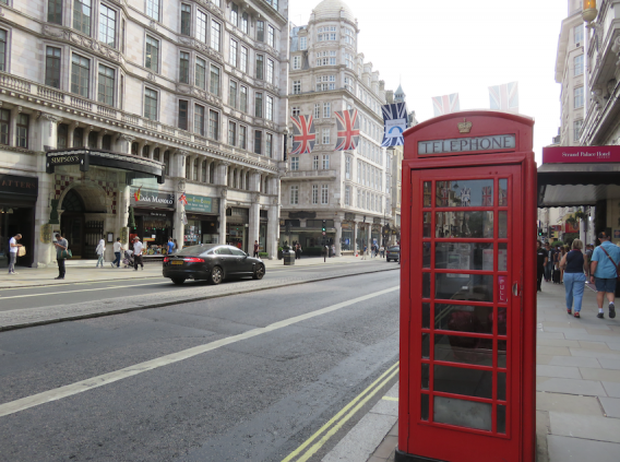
point(21, 252)
point(612, 260)
point(65, 254)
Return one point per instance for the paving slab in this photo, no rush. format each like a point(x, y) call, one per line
point(610, 363)
point(609, 375)
point(557, 402)
point(612, 389)
point(558, 371)
point(567, 449)
point(573, 361)
point(573, 386)
point(586, 426)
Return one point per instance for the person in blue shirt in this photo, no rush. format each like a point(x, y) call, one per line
point(170, 246)
point(604, 272)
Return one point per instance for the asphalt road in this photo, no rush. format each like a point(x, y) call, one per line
point(247, 377)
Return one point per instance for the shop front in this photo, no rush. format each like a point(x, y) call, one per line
point(202, 220)
point(237, 222)
point(18, 196)
point(153, 213)
point(348, 240)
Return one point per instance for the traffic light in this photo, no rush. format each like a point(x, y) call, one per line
point(323, 229)
point(540, 233)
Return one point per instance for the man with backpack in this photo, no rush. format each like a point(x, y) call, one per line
point(604, 273)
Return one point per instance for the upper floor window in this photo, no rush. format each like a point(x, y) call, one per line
point(152, 9)
point(260, 65)
point(258, 142)
point(347, 167)
point(578, 97)
point(349, 36)
point(326, 58)
point(268, 144)
point(244, 23)
point(214, 84)
point(3, 42)
point(151, 60)
point(294, 194)
point(296, 62)
point(214, 125)
point(107, 25)
point(23, 122)
point(578, 33)
point(186, 19)
point(81, 15)
point(260, 31)
point(243, 99)
point(271, 36)
point(577, 127)
point(105, 87)
point(200, 78)
point(327, 110)
point(325, 82)
point(184, 67)
point(324, 194)
point(294, 162)
point(270, 71)
point(5, 124)
point(317, 110)
point(80, 75)
point(52, 66)
point(243, 59)
point(295, 111)
point(232, 58)
point(54, 11)
point(150, 104)
point(201, 26)
point(234, 14)
point(578, 62)
point(215, 35)
point(182, 116)
point(258, 105)
point(232, 94)
point(325, 140)
point(269, 107)
point(327, 33)
point(303, 43)
point(296, 87)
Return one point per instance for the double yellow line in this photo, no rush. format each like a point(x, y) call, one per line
point(310, 447)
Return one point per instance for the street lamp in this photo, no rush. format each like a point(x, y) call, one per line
point(589, 11)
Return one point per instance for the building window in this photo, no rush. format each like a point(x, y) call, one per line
point(243, 137)
point(296, 62)
point(258, 105)
point(315, 194)
point(303, 43)
point(295, 111)
point(199, 120)
point(325, 136)
point(259, 67)
point(232, 133)
point(188, 168)
point(183, 115)
point(294, 195)
point(201, 74)
point(578, 62)
point(578, 100)
point(107, 25)
point(271, 36)
point(325, 83)
point(270, 71)
point(214, 125)
point(184, 67)
point(315, 162)
point(167, 163)
point(327, 110)
point(326, 161)
point(269, 107)
point(347, 167)
point(243, 99)
point(232, 94)
point(105, 92)
point(347, 195)
point(324, 194)
point(22, 130)
point(578, 32)
point(152, 54)
point(260, 31)
point(186, 19)
point(296, 87)
point(317, 111)
point(80, 75)
point(234, 15)
point(5, 123)
point(152, 9)
point(203, 171)
point(294, 162)
point(244, 23)
point(214, 84)
point(62, 136)
point(258, 141)
point(326, 58)
point(150, 104)
point(81, 16)
point(201, 27)
point(233, 53)
point(195, 169)
point(54, 11)
point(577, 127)
point(215, 35)
point(52, 67)
point(269, 145)
point(243, 60)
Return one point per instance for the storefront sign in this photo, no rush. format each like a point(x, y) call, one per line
point(140, 197)
point(80, 158)
point(200, 204)
point(456, 145)
point(21, 185)
point(580, 154)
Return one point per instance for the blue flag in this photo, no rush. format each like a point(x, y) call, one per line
point(395, 123)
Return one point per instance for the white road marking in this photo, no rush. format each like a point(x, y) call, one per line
point(111, 377)
point(77, 291)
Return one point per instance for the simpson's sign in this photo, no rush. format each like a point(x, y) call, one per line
point(581, 154)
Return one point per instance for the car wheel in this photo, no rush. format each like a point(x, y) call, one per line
point(259, 272)
point(217, 275)
point(178, 281)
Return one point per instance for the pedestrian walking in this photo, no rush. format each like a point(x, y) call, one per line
point(256, 249)
point(574, 266)
point(170, 246)
point(382, 251)
point(364, 252)
point(541, 261)
point(333, 250)
point(100, 252)
point(61, 245)
point(604, 273)
point(137, 253)
point(588, 257)
point(549, 264)
point(298, 251)
point(13, 250)
point(118, 249)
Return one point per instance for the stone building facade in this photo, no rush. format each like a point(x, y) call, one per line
point(114, 111)
point(346, 191)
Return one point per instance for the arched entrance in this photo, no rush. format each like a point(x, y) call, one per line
point(77, 223)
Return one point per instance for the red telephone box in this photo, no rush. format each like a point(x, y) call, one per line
point(468, 290)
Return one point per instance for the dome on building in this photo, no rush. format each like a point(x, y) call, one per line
point(333, 9)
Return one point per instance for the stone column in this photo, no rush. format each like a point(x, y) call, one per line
point(355, 249)
point(124, 144)
point(254, 222)
point(273, 229)
point(179, 227)
point(338, 242)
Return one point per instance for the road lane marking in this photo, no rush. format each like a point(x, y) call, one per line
point(390, 398)
point(28, 402)
point(76, 291)
point(337, 422)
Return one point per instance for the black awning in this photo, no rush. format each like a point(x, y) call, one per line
point(142, 167)
point(565, 185)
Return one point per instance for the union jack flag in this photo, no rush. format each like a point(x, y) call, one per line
point(487, 196)
point(348, 130)
point(304, 135)
point(446, 104)
point(183, 199)
point(465, 197)
point(395, 123)
point(444, 199)
point(505, 97)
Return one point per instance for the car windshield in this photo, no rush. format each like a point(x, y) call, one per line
point(195, 250)
point(394, 249)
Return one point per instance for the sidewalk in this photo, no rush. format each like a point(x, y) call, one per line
point(577, 387)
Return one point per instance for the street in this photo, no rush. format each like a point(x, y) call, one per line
point(246, 377)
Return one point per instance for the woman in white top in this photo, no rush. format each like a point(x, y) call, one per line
point(14, 248)
point(100, 252)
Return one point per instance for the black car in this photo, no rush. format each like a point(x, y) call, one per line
point(212, 262)
point(393, 253)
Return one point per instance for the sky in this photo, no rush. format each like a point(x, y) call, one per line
point(439, 47)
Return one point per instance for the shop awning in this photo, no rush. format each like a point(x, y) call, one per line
point(574, 184)
point(141, 167)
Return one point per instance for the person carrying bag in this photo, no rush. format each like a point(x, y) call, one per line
point(62, 253)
